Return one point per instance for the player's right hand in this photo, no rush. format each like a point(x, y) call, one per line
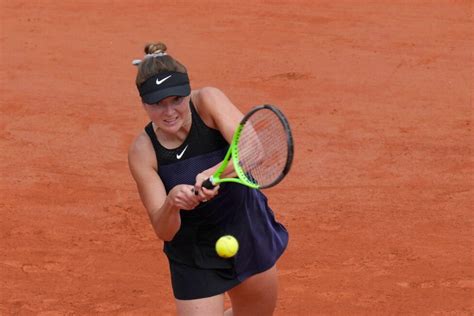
point(183, 196)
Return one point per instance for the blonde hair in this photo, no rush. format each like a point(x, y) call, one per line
point(156, 61)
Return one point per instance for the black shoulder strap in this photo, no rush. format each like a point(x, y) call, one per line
point(151, 133)
point(196, 117)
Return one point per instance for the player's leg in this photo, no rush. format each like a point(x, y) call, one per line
point(212, 306)
point(257, 295)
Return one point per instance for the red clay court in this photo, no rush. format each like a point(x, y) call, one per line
point(378, 202)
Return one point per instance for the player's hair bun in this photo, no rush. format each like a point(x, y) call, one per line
point(155, 61)
point(155, 48)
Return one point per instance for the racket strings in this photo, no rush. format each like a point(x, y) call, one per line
point(263, 149)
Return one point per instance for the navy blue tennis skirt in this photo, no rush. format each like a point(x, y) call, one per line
point(196, 269)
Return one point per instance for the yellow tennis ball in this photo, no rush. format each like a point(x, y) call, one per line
point(227, 246)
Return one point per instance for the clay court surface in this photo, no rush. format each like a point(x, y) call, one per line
point(379, 200)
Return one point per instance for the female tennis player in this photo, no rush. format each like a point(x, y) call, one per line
point(187, 137)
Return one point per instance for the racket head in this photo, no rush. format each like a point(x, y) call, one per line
point(263, 149)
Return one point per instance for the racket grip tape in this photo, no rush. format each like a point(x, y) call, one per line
point(208, 184)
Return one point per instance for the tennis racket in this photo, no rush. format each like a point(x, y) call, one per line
point(261, 150)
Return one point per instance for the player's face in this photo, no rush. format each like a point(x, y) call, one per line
point(170, 114)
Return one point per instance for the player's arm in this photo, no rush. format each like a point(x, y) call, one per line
point(163, 209)
point(220, 113)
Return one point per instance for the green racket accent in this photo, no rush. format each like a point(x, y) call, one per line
point(234, 153)
point(237, 167)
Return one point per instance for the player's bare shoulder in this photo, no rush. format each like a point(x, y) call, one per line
point(141, 153)
point(215, 107)
point(208, 96)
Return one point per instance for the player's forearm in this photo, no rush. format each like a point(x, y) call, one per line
point(229, 171)
point(166, 221)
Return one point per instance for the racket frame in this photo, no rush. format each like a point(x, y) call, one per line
point(233, 153)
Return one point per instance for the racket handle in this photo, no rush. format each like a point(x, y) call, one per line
point(208, 184)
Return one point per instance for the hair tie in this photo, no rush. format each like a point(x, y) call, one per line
point(159, 53)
